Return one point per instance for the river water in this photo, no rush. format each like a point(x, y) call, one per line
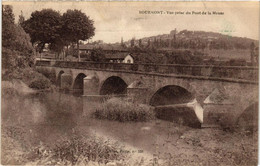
point(49, 116)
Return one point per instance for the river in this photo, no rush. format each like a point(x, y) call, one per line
point(44, 118)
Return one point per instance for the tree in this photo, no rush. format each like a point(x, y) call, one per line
point(148, 43)
point(252, 53)
point(140, 43)
point(21, 19)
point(17, 50)
point(57, 45)
point(9, 26)
point(155, 43)
point(8, 16)
point(132, 42)
point(77, 26)
point(97, 55)
point(44, 27)
point(122, 41)
point(13, 36)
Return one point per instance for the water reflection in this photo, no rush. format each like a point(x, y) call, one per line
point(62, 111)
point(180, 115)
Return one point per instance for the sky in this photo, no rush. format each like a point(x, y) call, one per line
point(114, 20)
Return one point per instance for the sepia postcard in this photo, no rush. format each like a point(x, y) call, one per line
point(136, 83)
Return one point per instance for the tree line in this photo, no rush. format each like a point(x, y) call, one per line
point(58, 30)
point(21, 41)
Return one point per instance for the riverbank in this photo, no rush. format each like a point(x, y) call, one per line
point(26, 77)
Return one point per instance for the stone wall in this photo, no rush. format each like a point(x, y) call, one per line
point(238, 94)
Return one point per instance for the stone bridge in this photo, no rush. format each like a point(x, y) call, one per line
point(218, 89)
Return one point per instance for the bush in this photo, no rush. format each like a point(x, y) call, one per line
point(120, 110)
point(41, 83)
point(29, 76)
point(78, 148)
point(50, 74)
point(85, 56)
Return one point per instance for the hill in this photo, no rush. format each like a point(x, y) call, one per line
point(186, 39)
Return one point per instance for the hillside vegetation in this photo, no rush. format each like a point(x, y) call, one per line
point(186, 39)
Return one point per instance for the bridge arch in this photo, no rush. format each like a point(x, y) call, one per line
point(248, 119)
point(58, 80)
point(78, 84)
point(171, 94)
point(113, 85)
point(177, 97)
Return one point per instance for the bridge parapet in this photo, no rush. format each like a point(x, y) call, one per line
point(243, 73)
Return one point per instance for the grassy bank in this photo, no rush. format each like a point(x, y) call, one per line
point(76, 150)
point(68, 149)
point(119, 110)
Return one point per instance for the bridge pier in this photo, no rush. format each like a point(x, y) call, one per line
point(90, 103)
point(136, 92)
point(217, 109)
point(91, 97)
point(66, 81)
point(137, 95)
point(91, 85)
point(217, 114)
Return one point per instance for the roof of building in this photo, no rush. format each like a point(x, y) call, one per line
point(116, 56)
point(86, 47)
point(106, 47)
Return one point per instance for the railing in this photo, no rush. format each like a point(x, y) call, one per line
point(248, 73)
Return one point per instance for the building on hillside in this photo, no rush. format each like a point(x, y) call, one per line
point(129, 59)
point(85, 48)
point(113, 53)
point(119, 58)
point(173, 32)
